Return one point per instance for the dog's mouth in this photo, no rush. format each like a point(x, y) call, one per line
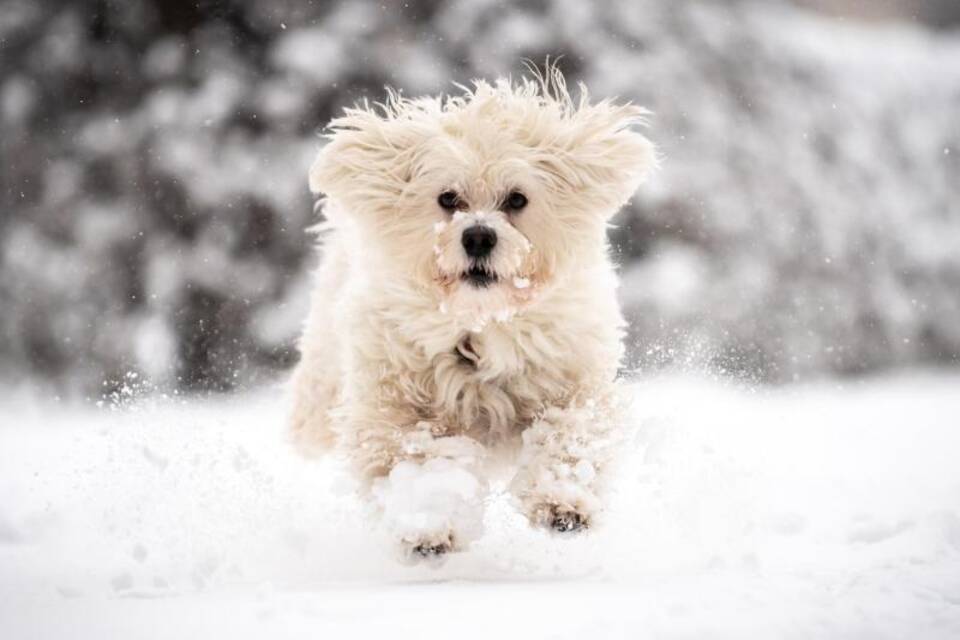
point(479, 276)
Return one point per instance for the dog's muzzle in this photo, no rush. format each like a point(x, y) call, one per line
point(478, 242)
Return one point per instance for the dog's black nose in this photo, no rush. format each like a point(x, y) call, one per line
point(478, 241)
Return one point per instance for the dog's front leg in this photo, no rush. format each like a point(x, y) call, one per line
point(426, 485)
point(564, 454)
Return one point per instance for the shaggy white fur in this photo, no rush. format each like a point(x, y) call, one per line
point(416, 354)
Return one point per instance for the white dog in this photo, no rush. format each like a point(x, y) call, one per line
point(466, 298)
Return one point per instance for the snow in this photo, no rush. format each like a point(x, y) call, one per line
point(819, 510)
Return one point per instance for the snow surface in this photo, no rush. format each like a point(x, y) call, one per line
point(827, 510)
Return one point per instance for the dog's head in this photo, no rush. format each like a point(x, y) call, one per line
point(487, 198)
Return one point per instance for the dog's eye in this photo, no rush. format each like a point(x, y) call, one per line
point(448, 200)
point(516, 201)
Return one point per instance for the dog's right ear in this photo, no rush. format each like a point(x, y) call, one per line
point(370, 157)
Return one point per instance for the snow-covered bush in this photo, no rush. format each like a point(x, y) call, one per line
point(153, 199)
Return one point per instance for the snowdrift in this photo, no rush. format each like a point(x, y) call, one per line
point(826, 510)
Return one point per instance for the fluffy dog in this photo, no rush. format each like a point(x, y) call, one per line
point(466, 298)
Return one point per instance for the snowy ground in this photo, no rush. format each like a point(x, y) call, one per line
point(829, 510)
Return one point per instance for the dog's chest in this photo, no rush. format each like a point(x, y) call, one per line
point(493, 381)
point(490, 357)
point(466, 351)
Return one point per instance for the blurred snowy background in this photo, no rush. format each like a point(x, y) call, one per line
point(153, 198)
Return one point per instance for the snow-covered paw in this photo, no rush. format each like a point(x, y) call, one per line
point(433, 508)
point(558, 496)
point(433, 548)
point(560, 518)
point(565, 521)
point(428, 550)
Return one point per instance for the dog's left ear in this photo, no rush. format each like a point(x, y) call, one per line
point(604, 155)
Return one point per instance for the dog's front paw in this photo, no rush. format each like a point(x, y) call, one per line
point(431, 549)
point(433, 508)
point(427, 550)
point(565, 521)
point(560, 518)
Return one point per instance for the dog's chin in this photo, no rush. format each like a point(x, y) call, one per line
point(476, 296)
